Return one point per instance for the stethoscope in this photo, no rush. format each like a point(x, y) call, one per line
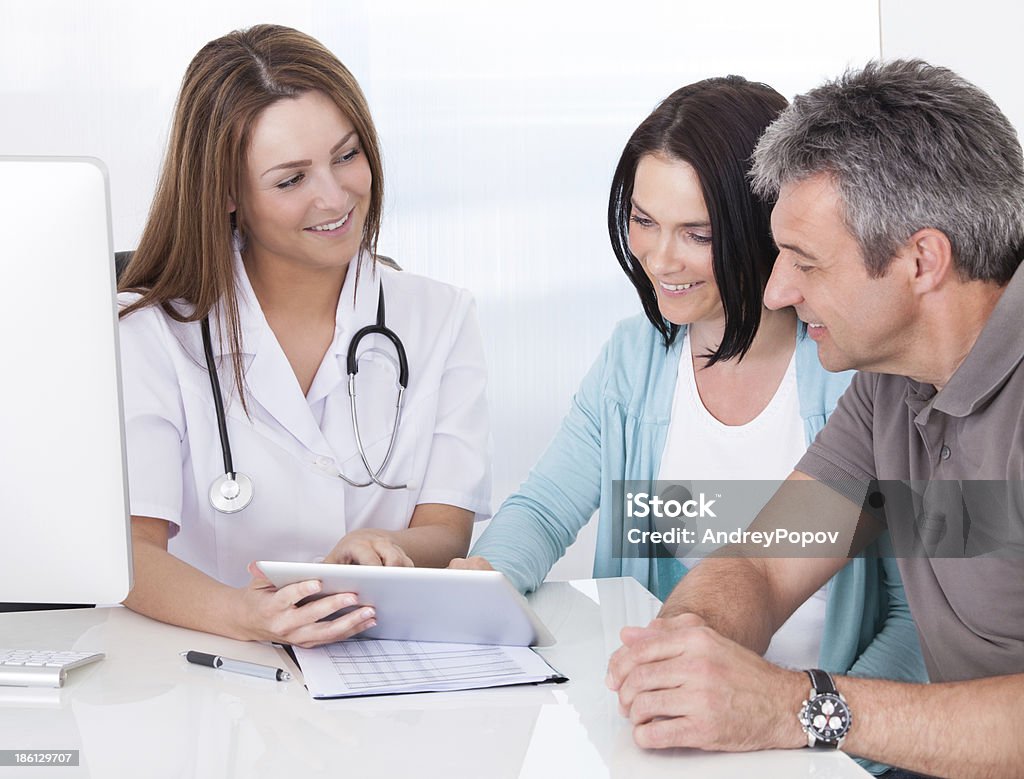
point(233, 491)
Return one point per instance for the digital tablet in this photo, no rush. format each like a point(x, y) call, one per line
point(426, 604)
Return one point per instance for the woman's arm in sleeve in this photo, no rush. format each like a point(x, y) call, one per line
point(535, 525)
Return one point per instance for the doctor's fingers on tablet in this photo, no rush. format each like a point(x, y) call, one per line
point(302, 626)
point(392, 554)
point(368, 550)
point(474, 563)
point(286, 603)
point(338, 629)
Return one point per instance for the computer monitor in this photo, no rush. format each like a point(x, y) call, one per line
point(64, 516)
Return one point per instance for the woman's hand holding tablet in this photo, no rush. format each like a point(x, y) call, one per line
point(278, 614)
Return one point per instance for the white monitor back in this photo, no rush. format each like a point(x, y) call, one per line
point(64, 523)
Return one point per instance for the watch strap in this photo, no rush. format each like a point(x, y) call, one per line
point(821, 681)
point(821, 684)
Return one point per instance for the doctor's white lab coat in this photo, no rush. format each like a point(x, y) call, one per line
point(293, 446)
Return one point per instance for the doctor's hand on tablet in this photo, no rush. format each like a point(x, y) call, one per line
point(274, 616)
point(368, 547)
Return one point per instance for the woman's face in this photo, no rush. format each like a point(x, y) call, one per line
point(670, 234)
point(306, 186)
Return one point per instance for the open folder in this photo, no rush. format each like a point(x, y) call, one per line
point(358, 667)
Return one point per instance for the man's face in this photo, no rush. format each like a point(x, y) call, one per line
point(857, 321)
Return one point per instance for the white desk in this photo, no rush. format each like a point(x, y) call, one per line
point(143, 711)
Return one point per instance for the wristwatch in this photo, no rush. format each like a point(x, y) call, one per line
point(825, 715)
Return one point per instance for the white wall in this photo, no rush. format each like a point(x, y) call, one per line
point(980, 41)
point(500, 127)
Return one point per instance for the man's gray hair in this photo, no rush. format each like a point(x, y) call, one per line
point(908, 145)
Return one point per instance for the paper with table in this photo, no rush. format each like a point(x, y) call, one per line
point(358, 667)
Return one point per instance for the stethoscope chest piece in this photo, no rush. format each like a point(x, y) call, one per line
point(229, 495)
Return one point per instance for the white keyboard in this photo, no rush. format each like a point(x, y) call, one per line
point(40, 667)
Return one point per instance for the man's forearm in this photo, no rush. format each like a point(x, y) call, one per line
point(957, 729)
point(733, 596)
point(746, 596)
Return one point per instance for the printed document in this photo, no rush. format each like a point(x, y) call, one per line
point(381, 667)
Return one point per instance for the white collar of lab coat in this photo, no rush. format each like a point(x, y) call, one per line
point(269, 377)
point(357, 307)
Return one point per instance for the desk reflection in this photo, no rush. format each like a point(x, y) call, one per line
point(144, 711)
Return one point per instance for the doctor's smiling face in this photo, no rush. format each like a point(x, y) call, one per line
point(306, 186)
point(670, 234)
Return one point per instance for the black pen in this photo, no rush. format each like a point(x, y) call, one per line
point(237, 666)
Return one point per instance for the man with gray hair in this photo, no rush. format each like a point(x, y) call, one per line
point(900, 228)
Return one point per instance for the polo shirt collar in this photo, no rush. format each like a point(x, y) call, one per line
point(993, 358)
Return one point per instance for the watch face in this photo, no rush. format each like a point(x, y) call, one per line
point(827, 716)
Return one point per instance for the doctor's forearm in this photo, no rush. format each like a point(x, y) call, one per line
point(437, 533)
point(172, 591)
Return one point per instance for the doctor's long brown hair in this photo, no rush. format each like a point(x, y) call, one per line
point(186, 250)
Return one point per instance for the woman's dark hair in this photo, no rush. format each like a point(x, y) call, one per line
point(713, 125)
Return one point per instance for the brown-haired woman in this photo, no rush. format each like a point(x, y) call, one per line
point(259, 259)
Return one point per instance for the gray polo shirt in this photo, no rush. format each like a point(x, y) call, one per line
point(957, 514)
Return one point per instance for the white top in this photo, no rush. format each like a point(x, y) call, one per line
point(293, 445)
point(699, 447)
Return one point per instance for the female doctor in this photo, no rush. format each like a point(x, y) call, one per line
point(265, 226)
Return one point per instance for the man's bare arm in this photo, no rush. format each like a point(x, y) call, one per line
point(682, 684)
point(679, 680)
point(745, 595)
point(955, 729)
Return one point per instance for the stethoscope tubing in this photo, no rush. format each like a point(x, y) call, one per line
point(374, 475)
point(352, 363)
point(218, 398)
point(233, 491)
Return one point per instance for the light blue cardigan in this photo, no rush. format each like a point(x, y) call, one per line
point(615, 431)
